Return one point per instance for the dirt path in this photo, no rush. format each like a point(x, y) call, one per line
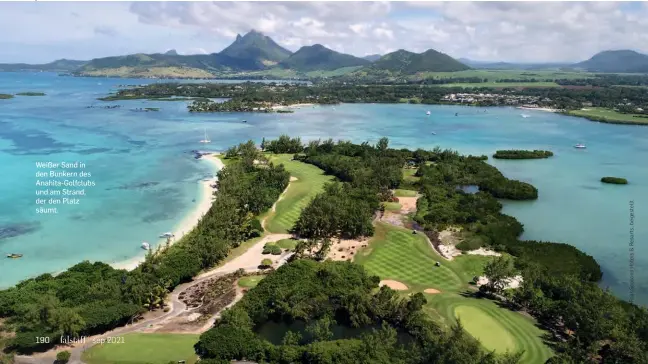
point(248, 261)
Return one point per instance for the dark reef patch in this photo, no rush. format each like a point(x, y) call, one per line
point(13, 230)
point(134, 186)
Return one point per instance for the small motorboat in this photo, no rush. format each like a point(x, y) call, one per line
point(146, 246)
point(428, 113)
point(580, 146)
point(433, 133)
point(167, 235)
point(14, 256)
point(245, 121)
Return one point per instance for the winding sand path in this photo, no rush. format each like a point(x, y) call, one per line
point(249, 261)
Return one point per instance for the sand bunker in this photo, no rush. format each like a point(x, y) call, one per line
point(408, 204)
point(484, 251)
point(395, 285)
point(346, 249)
point(432, 291)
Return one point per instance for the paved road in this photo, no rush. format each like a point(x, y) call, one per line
point(248, 261)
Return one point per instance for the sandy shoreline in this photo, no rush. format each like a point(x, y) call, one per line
point(294, 106)
point(547, 109)
point(203, 203)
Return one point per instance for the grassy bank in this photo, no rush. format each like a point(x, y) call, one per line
point(609, 116)
point(310, 181)
point(145, 348)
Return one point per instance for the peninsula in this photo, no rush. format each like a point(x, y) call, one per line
point(251, 97)
point(343, 213)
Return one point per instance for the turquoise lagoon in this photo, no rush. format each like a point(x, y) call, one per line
point(146, 179)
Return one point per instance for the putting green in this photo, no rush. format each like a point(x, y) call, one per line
point(396, 253)
point(145, 348)
point(310, 181)
point(392, 206)
point(405, 193)
point(289, 244)
point(488, 331)
point(250, 281)
point(494, 326)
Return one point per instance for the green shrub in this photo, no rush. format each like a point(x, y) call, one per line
point(615, 180)
point(63, 357)
point(472, 243)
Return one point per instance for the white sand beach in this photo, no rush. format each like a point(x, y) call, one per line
point(547, 109)
point(295, 106)
point(203, 203)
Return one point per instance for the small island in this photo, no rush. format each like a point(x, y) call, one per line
point(522, 154)
point(615, 180)
point(6, 96)
point(30, 94)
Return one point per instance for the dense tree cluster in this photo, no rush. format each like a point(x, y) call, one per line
point(589, 325)
point(91, 298)
point(522, 154)
point(248, 96)
point(334, 313)
point(341, 211)
point(284, 144)
point(615, 180)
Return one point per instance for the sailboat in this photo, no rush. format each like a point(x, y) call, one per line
point(206, 140)
point(428, 113)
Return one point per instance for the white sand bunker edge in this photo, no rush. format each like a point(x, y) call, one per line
point(395, 285)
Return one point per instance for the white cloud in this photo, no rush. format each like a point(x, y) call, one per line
point(507, 31)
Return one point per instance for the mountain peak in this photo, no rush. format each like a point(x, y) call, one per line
point(258, 48)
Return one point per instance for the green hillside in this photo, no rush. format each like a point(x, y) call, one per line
point(406, 63)
point(64, 65)
point(621, 61)
point(318, 57)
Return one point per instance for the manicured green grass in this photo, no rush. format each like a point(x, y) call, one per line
point(250, 281)
point(392, 206)
point(310, 181)
point(289, 244)
point(145, 348)
point(494, 75)
point(503, 84)
point(405, 193)
point(409, 174)
point(395, 253)
point(526, 335)
point(486, 329)
point(610, 116)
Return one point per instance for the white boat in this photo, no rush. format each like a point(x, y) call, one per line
point(580, 146)
point(428, 113)
point(146, 246)
point(167, 235)
point(206, 140)
point(433, 133)
point(525, 116)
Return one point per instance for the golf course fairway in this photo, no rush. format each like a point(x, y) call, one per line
point(310, 181)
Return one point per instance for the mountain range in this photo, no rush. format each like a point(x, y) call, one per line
point(255, 52)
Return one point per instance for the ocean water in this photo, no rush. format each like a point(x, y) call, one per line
point(146, 180)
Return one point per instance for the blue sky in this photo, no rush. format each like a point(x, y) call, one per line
point(493, 31)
